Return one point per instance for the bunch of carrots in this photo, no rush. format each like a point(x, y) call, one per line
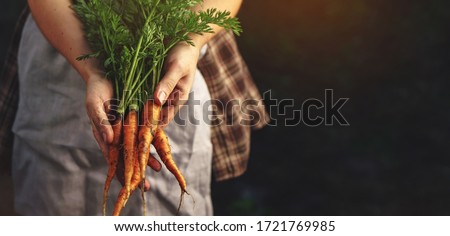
point(131, 147)
point(132, 39)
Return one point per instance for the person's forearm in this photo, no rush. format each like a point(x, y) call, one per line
point(64, 31)
point(232, 6)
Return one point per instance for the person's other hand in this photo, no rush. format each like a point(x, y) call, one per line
point(99, 92)
point(173, 89)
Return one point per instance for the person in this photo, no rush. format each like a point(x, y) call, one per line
point(58, 168)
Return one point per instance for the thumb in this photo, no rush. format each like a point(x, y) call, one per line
point(166, 86)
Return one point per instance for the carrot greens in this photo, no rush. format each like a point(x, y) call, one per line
point(132, 38)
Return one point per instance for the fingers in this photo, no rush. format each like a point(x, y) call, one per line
point(168, 84)
point(167, 115)
point(176, 83)
point(120, 175)
point(146, 185)
point(98, 94)
point(154, 163)
point(103, 147)
point(174, 87)
point(97, 113)
point(174, 102)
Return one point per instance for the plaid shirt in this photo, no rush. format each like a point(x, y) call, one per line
point(236, 102)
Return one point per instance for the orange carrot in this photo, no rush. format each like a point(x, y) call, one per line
point(113, 158)
point(124, 194)
point(150, 117)
point(161, 143)
point(130, 130)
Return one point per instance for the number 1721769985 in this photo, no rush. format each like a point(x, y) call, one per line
point(275, 226)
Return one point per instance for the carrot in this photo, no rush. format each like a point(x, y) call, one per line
point(135, 182)
point(161, 143)
point(113, 158)
point(152, 162)
point(124, 194)
point(150, 117)
point(130, 130)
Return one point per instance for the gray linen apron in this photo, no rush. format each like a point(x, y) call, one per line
point(58, 168)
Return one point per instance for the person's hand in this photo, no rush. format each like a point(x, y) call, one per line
point(99, 92)
point(173, 89)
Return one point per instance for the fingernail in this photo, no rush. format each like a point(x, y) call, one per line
point(162, 97)
point(104, 137)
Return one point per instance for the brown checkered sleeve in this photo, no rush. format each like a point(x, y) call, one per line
point(236, 102)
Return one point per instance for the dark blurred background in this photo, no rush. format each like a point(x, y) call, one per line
point(390, 58)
